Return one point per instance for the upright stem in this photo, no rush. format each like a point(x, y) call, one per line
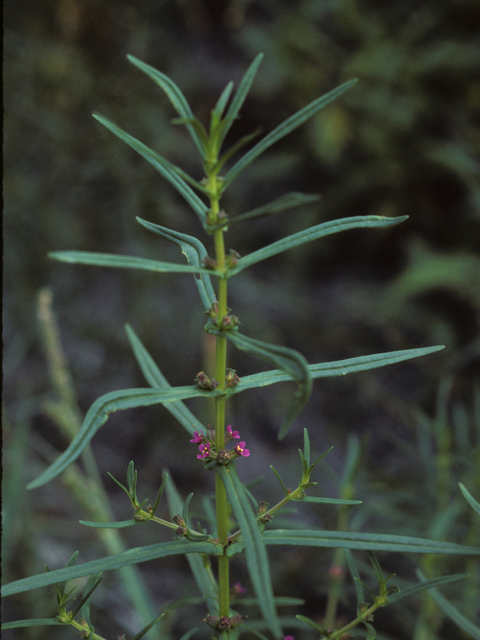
point(220, 371)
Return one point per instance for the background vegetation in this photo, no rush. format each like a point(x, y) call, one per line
point(405, 140)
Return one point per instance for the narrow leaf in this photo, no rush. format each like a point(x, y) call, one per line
point(292, 362)
point(336, 368)
point(156, 379)
point(203, 577)
point(109, 525)
point(287, 201)
point(161, 164)
point(452, 612)
point(174, 94)
point(110, 563)
point(313, 233)
point(194, 251)
point(329, 500)
point(39, 622)
point(366, 541)
point(427, 584)
point(147, 628)
point(126, 262)
point(240, 95)
point(256, 555)
point(285, 128)
point(356, 577)
point(469, 498)
point(98, 414)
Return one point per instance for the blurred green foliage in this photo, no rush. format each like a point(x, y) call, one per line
point(406, 140)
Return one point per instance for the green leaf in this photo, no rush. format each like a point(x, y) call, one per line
point(335, 368)
point(285, 128)
point(161, 164)
point(98, 414)
point(203, 577)
point(239, 97)
point(256, 555)
point(311, 623)
point(310, 234)
point(109, 525)
point(156, 379)
point(469, 498)
point(329, 500)
point(357, 583)
point(452, 612)
point(147, 628)
point(175, 96)
point(39, 622)
point(110, 563)
point(194, 251)
point(365, 541)
point(287, 201)
point(427, 584)
point(125, 262)
point(292, 362)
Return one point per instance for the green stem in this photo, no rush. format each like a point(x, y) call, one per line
point(220, 370)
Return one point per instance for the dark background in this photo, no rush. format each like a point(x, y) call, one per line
point(405, 140)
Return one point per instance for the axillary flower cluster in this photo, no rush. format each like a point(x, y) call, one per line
point(208, 452)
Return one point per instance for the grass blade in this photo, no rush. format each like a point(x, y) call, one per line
point(256, 555)
point(98, 414)
point(161, 164)
point(313, 233)
point(285, 128)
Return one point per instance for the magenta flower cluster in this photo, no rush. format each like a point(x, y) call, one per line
point(206, 446)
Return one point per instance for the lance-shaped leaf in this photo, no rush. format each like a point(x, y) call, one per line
point(285, 128)
point(239, 97)
point(470, 499)
point(124, 559)
point(313, 233)
point(39, 622)
point(287, 201)
point(451, 610)
point(169, 171)
point(365, 541)
point(427, 584)
point(126, 262)
point(98, 414)
point(195, 253)
point(292, 362)
point(176, 97)
point(335, 368)
point(156, 379)
point(255, 552)
point(203, 577)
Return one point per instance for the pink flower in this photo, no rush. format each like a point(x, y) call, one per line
point(204, 451)
point(289, 638)
point(232, 434)
point(197, 437)
point(238, 588)
point(241, 451)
